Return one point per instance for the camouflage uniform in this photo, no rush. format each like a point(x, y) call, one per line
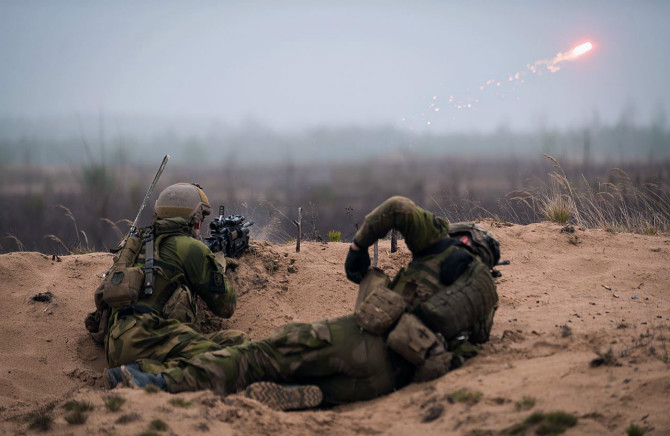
point(344, 360)
point(164, 325)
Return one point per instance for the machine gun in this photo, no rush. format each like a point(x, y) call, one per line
point(229, 235)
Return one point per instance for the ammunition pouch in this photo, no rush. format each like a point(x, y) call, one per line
point(381, 307)
point(412, 339)
point(373, 278)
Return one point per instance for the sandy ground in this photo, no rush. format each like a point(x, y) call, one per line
point(565, 300)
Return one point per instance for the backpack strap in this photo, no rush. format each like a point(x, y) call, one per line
point(149, 265)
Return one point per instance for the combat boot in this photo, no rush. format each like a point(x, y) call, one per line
point(285, 397)
point(132, 376)
point(112, 377)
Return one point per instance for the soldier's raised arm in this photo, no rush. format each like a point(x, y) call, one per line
point(420, 228)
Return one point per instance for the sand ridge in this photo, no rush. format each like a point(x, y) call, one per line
point(565, 300)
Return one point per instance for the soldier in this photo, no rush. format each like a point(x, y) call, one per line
point(155, 315)
point(414, 328)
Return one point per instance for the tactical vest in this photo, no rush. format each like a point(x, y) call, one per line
point(170, 297)
point(124, 289)
point(451, 291)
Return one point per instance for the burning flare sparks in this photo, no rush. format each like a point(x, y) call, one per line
point(570, 55)
point(504, 86)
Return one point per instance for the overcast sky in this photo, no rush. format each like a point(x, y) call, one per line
point(294, 64)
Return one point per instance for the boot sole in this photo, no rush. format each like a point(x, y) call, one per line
point(280, 397)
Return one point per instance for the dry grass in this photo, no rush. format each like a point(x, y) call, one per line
point(615, 205)
point(17, 241)
point(557, 209)
point(81, 246)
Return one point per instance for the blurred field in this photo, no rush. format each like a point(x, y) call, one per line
point(60, 209)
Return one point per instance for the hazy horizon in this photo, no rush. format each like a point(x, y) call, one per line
point(302, 65)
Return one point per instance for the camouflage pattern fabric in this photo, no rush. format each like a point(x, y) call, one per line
point(420, 228)
point(149, 336)
point(182, 259)
point(464, 307)
point(345, 361)
point(169, 331)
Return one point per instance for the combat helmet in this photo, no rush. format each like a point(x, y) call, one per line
point(483, 242)
point(185, 200)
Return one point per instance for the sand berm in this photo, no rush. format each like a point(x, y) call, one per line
point(582, 327)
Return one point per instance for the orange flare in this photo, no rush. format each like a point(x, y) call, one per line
point(582, 48)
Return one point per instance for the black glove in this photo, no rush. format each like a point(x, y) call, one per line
point(357, 264)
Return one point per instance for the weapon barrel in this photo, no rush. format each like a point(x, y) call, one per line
point(133, 227)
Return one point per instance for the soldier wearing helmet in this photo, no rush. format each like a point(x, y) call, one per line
point(162, 324)
point(415, 327)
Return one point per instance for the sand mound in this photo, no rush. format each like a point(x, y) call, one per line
point(583, 327)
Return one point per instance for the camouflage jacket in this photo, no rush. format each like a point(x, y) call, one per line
point(186, 268)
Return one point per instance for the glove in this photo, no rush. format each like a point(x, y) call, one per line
point(231, 264)
point(357, 264)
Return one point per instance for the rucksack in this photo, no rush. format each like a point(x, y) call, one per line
point(120, 286)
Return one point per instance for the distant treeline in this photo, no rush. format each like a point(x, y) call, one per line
point(82, 206)
point(122, 142)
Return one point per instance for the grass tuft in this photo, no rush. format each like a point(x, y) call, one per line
point(77, 412)
point(526, 403)
point(557, 209)
point(128, 418)
point(334, 236)
point(180, 402)
point(466, 396)
point(556, 423)
point(546, 424)
point(114, 403)
point(158, 425)
point(151, 389)
point(635, 430)
point(42, 420)
point(76, 417)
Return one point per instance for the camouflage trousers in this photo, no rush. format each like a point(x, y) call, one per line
point(167, 341)
point(346, 362)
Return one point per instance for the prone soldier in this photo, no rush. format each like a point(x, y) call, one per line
point(147, 306)
point(418, 326)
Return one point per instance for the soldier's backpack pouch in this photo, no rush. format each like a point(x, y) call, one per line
point(373, 277)
point(411, 339)
point(122, 286)
point(380, 310)
point(123, 283)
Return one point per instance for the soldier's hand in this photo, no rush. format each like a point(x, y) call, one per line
point(231, 264)
point(357, 264)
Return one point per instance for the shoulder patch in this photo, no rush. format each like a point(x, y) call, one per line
point(217, 284)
